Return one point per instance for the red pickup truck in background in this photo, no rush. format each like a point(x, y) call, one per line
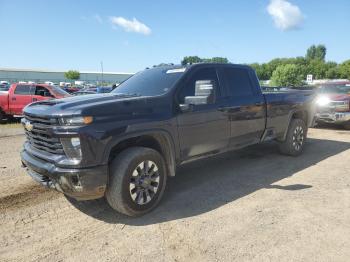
point(333, 104)
point(20, 95)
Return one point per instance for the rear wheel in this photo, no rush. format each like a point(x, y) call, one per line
point(295, 139)
point(347, 126)
point(137, 181)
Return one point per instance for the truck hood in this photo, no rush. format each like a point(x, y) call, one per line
point(92, 105)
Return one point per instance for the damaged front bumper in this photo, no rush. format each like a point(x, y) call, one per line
point(81, 184)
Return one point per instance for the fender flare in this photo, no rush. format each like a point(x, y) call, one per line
point(290, 117)
point(164, 139)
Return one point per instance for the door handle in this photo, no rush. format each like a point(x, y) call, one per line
point(34, 99)
point(13, 98)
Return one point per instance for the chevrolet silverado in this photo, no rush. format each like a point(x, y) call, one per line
point(124, 145)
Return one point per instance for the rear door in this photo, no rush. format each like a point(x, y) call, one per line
point(19, 98)
point(246, 108)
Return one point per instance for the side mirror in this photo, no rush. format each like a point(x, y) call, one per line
point(204, 94)
point(186, 107)
point(197, 100)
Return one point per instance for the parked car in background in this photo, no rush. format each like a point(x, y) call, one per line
point(4, 87)
point(99, 89)
point(84, 92)
point(103, 89)
point(51, 83)
point(71, 89)
point(19, 95)
point(333, 105)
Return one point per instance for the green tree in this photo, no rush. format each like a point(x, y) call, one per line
point(332, 70)
point(196, 59)
point(344, 69)
point(316, 52)
point(223, 60)
point(72, 75)
point(261, 71)
point(311, 52)
point(191, 60)
point(288, 75)
point(332, 73)
point(317, 68)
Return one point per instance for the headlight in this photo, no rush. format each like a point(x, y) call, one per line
point(76, 121)
point(322, 101)
point(72, 148)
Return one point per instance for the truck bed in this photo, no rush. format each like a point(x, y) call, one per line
point(281, 104)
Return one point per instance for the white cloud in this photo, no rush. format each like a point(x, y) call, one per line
point(131, 25)
point(98, 18)
point(285, 15)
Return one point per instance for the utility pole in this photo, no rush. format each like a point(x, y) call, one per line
point(102, 70)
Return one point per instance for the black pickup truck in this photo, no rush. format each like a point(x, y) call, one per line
point(124, 145)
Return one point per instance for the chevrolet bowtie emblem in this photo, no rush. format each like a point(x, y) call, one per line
point(28, 126)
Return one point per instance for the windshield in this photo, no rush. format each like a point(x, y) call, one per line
point(335, 89)
point(150, 82)
point(59, 91)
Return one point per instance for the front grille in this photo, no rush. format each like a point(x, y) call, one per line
point(326, 109)
point(40, 136)
point(334, 106)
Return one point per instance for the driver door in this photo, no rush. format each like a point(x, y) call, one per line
point(203, 128)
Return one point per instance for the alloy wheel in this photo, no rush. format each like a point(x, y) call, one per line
point(144, 182)
point(298, 138)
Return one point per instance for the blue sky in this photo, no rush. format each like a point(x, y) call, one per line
point(131, 35)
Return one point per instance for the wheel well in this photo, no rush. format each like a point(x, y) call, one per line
point(296, 115)
point(156, 142)
point(300, 115)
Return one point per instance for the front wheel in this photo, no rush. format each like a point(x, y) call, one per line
point(295, 139)
point(137, 181)
point(346, 126)
point(2, 117)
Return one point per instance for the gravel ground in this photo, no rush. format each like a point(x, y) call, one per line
point(249, 205)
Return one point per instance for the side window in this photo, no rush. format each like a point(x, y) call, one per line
point(42, 91)
point(238, 82)
point(22, 90)
point(202, 75)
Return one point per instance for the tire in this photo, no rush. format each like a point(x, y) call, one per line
point(295, 139)
point(2, 117)
point(133, 189)
point(347, 126)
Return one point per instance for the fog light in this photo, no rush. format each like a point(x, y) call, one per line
point(72, 148)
